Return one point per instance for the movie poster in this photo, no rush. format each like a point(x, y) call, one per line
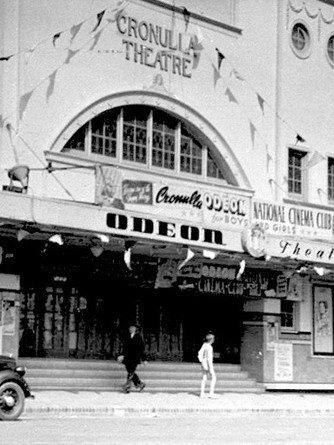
point(323, 320)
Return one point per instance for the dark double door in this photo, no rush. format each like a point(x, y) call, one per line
point(90, 321)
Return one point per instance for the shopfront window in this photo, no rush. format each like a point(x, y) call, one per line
point(288, 316)
point(330, 178)
point(297, 173)
point(146, 137)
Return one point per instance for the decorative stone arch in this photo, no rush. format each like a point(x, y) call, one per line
point(207, 132)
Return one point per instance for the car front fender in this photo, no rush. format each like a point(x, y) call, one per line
point(8, 375)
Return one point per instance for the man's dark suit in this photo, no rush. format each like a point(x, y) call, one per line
point(133, 352)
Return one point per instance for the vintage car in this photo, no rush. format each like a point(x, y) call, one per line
point(13, 388)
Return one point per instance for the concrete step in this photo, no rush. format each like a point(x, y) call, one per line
point(111, 382)
point(151, 389)
point(108, 364)
point(120, 373)
point(99, 375)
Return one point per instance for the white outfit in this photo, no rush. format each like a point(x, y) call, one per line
point(205, 356)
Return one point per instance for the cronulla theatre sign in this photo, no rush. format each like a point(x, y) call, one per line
point(157, 46)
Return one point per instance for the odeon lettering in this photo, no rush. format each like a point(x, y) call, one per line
point(210, 201)
point(133, 225)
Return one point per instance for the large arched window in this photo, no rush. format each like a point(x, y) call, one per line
point(147, 137)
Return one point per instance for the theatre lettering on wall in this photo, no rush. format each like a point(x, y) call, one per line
point(158, 47)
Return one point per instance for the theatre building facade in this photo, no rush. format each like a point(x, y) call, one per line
point(147, 180)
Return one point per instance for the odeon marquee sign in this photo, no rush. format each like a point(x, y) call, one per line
point(127, 224)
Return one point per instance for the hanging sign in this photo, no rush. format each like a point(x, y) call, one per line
point(223, 280)
point(292, 248)
point(293, 220)
point(136, 225)
point(206, 205)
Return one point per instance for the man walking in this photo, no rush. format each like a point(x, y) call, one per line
point(133, 353)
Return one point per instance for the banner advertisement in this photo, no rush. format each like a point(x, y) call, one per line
point(293, 220)
point(210, 206)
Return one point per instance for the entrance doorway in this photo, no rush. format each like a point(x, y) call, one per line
point(63, 320)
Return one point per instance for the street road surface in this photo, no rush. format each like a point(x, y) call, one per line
point(206, 430)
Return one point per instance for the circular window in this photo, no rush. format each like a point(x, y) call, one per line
point(301, 40)
point(330, 50)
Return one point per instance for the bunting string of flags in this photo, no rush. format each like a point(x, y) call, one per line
point(95, 35)
point(73, 30)
point(262, 102)
point(51, 78)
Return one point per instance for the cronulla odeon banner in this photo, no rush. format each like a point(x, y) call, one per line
point(153, 207)
point(294, 231)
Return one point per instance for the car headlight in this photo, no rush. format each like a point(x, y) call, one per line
point(21, 370)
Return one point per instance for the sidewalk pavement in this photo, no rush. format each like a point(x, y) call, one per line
point(68, 403)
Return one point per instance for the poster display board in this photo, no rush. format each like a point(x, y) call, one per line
point(323, 320)
point(283, 362)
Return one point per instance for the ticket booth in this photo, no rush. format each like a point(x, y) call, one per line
point(9, 314)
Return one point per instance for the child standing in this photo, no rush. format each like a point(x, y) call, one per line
point(205, 356)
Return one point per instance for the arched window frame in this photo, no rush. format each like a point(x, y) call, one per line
point(148, 164)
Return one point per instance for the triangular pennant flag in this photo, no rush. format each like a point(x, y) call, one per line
point(236, 74)
point(28, 54)
point(6, 58)
point(24, 102)
point(120, 7)
point(51, 85)
point(196, 59)
point(9, 129)
point(261, 102)
point(74, 31)
point(322, 270)
point(299, 138)
point(199, 34)
point(216, 75)
point(113, 20)
point(57, 239)
point(190, 255)
point(252, 130)
point(230, 95)
point(315, 159)
point(186, 15)
point(55, 38)
point(197, 47)
point(209, 254)
point(269, 158)
point(127, 258)
point(241, 270)
point(70, 54)
point(221, 57)
point(96, 39)
point(99, 19)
